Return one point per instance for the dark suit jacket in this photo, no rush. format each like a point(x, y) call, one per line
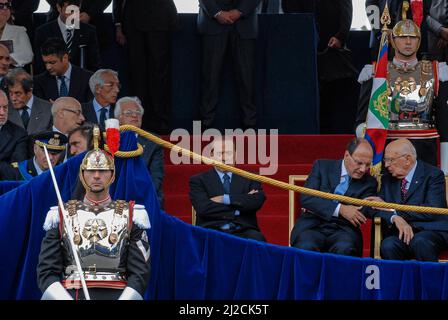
point(85, 35)
point(88, 111)
point(40, 118)
point(427, 188)
point(145, 15)
point(210, 214)
point(247, 25)
point(11, 173)
point(325, 176)
point(13, 143)
point(46, 85)
point(153, 158)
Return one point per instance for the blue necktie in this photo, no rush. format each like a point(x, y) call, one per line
point(25, 117)
point(226, 183)
point(343, 186)
point(63, 91)
point(103, 117)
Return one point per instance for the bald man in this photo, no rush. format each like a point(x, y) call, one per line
point(67, 115)
point(412, 182)
point(330, 226)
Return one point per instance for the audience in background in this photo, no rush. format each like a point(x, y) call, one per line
point(80, 139)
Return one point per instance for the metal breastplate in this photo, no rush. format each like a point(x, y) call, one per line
point(101, 236)
point(411, 94)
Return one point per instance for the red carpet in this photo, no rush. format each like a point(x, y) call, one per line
point(296, 156)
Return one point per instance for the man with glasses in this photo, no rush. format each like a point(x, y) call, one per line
point(62, 79)
point(67, 115)
point(129, 110)
point(105, 88)
point(330, 226)
point(411, 182)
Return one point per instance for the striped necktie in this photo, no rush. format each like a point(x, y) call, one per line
point(69, 40)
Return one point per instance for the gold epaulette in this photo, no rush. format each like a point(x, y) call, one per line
point(15, 165)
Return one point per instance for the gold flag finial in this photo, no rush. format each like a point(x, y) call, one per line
point(404, 10)
point(96, 137)
point(385, 18)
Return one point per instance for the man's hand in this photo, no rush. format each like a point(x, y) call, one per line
point(444, 33)
point(235, 15)
point(442, 44)
point(224, 17)
point(253, 191)
point(218, 199)
point(120, 37)
point(378, 199)
point(335, 43)
point(352, 214)
point(405, 232)
point(84, 17)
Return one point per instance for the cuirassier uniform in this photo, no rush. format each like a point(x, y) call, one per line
point(109, 238)
point(112, 244)
point(416, 101)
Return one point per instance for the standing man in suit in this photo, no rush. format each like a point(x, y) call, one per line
point(330, 226)
point(146, 26)
point(225, 201)
point(29, 112)
point(28, 169)
point(61, 79)
point(80, 42)
point(411, 182)
point(228, 25)
point(13, 139)
point(91, 12)
point(105, 87)
point(129, 110)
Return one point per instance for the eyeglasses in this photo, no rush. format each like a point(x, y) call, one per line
point(5, 6)
point(391, 160)
point(359, 162)
point(129, 113)
point(110, 85)
point(77, 112)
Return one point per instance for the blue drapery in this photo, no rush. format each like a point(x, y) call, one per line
point(193, 263)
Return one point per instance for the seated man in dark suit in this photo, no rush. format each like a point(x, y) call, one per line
point(129, 110)
point(80, 41)
point(29, 112)
point(224, 201)
point(13, 139)
point(80, 139)
point(28, 169)
point(329, 226)
point(61, 79)
point(412, 182)
point(105, 86)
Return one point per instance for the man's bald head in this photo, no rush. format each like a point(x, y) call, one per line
point(400, 157)
point(67, 114)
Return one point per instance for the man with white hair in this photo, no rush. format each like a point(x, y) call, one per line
point(129, 110)
point(411, 182)
point(105, 88)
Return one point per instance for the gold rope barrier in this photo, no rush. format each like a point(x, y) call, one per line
point(280, 184)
